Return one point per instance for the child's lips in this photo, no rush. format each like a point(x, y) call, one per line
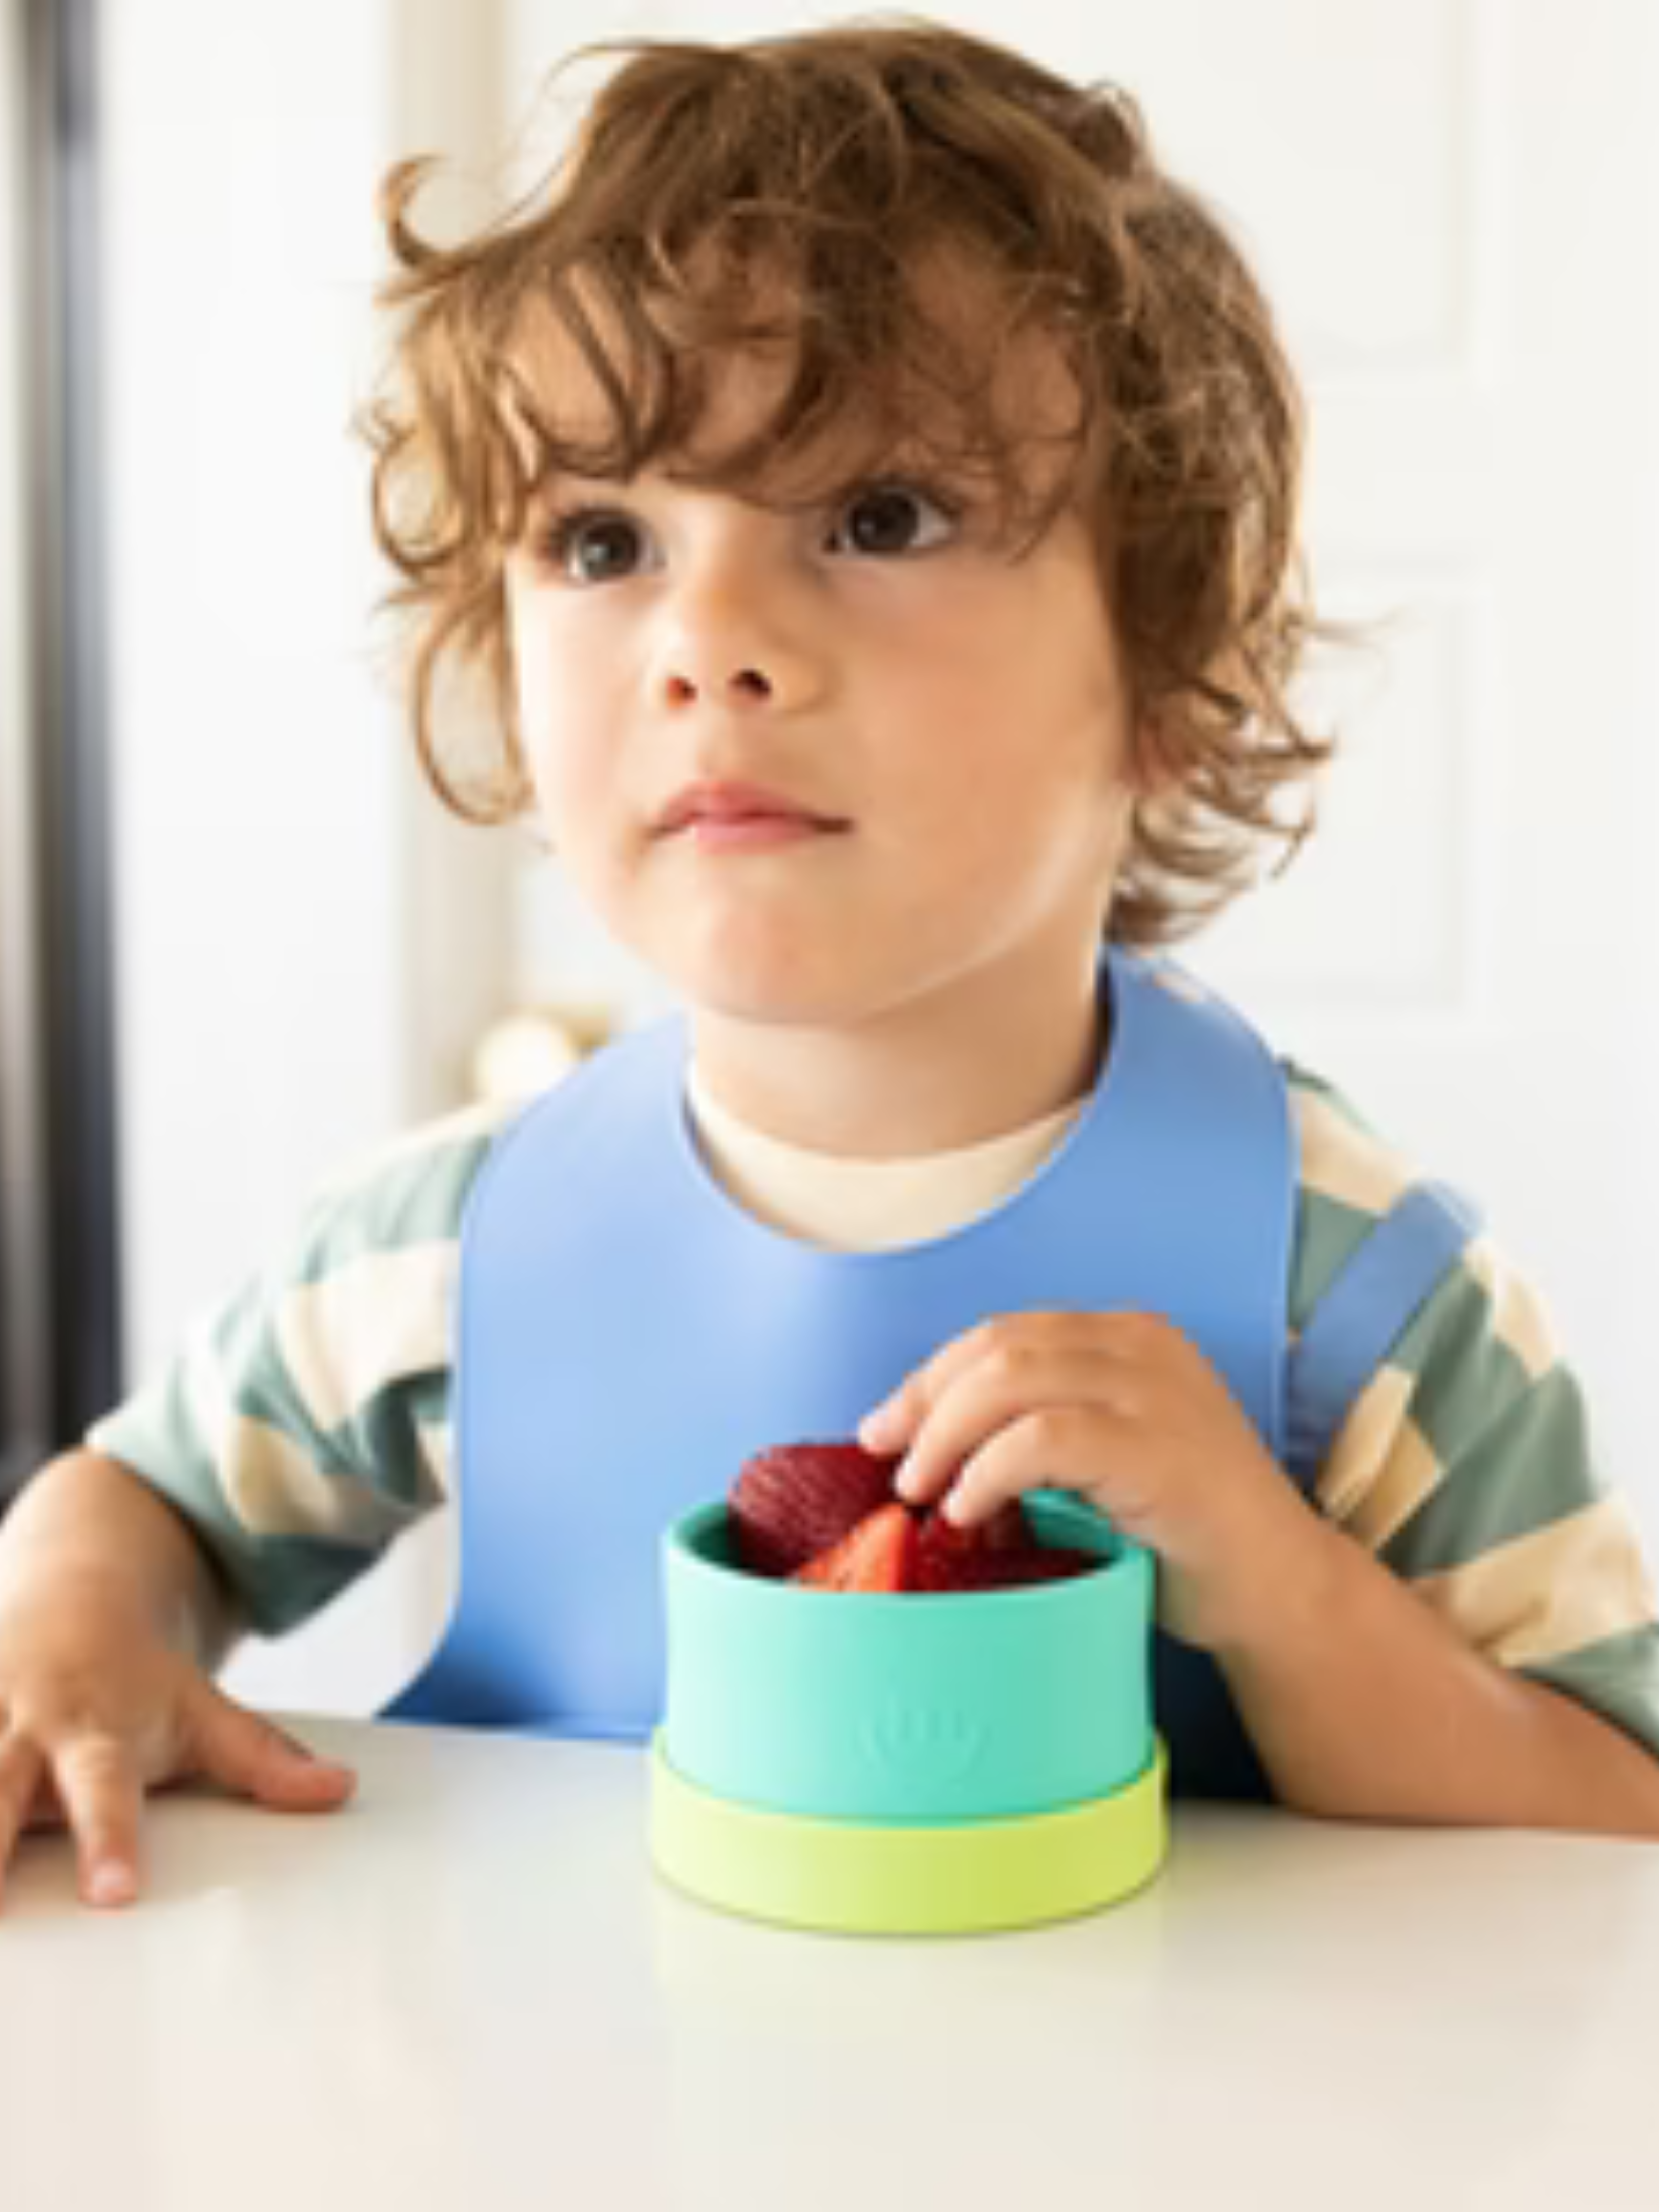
point(731, 833)
point(726, 816)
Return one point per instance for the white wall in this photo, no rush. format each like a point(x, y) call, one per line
point(257, 761)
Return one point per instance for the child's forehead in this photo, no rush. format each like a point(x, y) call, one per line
point(1001, 372)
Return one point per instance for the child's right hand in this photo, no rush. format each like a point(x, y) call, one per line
point(96, 1709)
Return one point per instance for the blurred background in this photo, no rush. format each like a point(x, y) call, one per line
point(239, 943)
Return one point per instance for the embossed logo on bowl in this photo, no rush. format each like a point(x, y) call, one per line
point(926, 1743)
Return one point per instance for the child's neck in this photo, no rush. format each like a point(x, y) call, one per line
point(957, 1070)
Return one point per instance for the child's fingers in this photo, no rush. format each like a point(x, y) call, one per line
point(889, 1426)
point(102, 1793)
point(1071, 1447)
point(257, 1760)
point(992, 1344)
point(20, 1768)
point(1038, 1388)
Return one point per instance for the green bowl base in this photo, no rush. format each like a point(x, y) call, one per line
point(948, 1878)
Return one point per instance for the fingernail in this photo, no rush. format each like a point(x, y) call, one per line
point(111, 1883)
point(872, 1428)
point(904, 1480)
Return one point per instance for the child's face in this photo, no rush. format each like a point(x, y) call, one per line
point(942, 730)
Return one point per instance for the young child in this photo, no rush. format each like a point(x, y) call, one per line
point(867, 486)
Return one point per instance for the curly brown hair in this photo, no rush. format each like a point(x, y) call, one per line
point(825, 171)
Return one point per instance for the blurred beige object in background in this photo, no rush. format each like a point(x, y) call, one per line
point(533, 1050)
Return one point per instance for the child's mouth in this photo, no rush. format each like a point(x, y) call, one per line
point(742, 817)
point(754, 832)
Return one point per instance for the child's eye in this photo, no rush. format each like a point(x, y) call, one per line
point(594, 546)
point(895, 518)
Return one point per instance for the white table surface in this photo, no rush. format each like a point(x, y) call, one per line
point(469, 1990)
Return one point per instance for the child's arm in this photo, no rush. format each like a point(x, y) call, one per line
point(1362, 1702)
point(110, 1618)
point(85, 1515)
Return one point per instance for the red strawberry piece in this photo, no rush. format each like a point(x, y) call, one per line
point(948, 1558)
point(792, 1503)
point(1042, 1563)
point(875, 1555)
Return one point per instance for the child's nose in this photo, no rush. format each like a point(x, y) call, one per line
point(734, 640)
point(738, 676)
point(739, 687)
point(740, 665)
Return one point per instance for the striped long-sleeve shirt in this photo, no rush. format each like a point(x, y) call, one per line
point(305, 1422)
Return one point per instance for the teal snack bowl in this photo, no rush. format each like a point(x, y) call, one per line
point(914, 1708)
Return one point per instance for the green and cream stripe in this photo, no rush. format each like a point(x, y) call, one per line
point(306, 1425)
point(1465, 1464)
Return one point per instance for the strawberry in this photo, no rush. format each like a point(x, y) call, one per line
point(1042, 1563)
point(793, 1501)
point(876, 1554)
point(948, 1558)
point(825, 1514)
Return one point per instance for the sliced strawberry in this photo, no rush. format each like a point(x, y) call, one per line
point(876, 1555)
point(948, 1558)
point(825, 1514)
point(1042, 1563)
point(793, 1501)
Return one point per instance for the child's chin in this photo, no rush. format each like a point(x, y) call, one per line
point(770, 982)
point(784, 1002)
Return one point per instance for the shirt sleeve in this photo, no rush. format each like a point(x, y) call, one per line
point(304, 1424)
point(1467, 1464)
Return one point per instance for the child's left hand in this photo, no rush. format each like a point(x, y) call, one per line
point(1125, 1410)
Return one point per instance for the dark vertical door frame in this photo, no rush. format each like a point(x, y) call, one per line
point(65, 537)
